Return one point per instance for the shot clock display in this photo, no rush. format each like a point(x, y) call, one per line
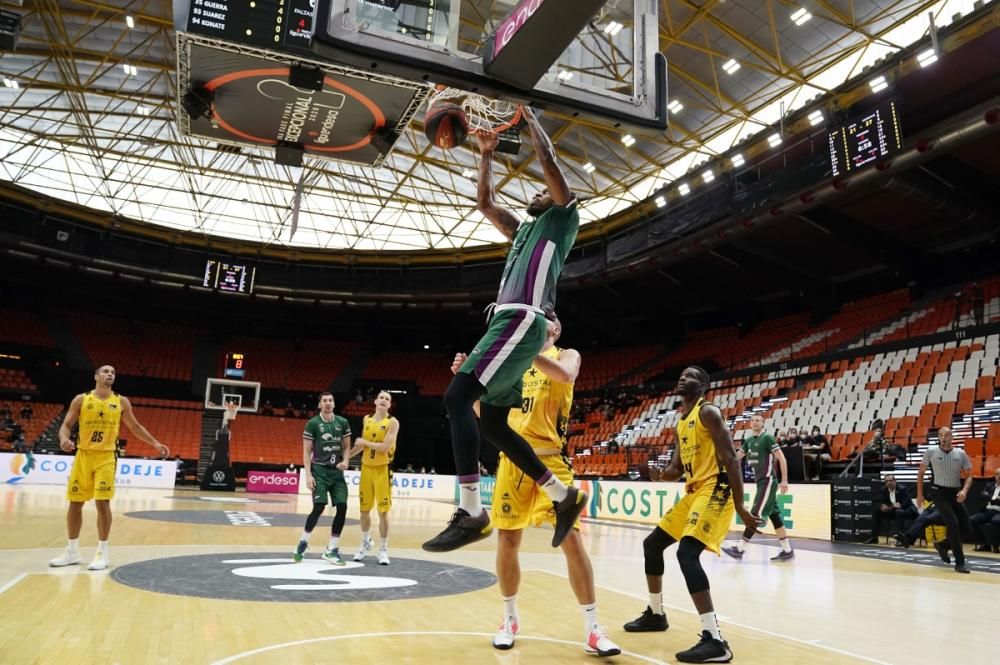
point(229, 276)
point(865, 139)
point(235, 366)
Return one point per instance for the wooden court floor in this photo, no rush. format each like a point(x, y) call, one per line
point(818, 608)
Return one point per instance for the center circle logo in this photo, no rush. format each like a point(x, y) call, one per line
point(274, 577)
point(260, 105)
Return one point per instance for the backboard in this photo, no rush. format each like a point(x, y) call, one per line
point(220, 392)
point(612, 70)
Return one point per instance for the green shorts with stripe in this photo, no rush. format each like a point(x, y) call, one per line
point(329, 482)
point(502, 356)
point(765, 503)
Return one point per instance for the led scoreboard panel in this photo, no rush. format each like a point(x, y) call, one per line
point(228, 276)
point(277, 25)
point(235, 366)
point(872, 136)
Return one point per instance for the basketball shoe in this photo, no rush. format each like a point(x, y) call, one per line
point(599, 643)
point(333, 556)
point(383, 557)
point(463, 529)
point(648, 621)
point(504, 638)
point(366, 547)
point(99, 562)
point(733, 551)
point(300, 551)
point(69, 558)
point(708, 650)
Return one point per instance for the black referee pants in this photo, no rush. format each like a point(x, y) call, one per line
point(956, 518)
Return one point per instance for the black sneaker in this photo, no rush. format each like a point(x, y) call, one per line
point(733, 551)
point(783, 555)
point(962, 568)
point(648, 622)
point(708, 650)
point(567, 512)
point(942, 550)
point(462, 530)
point(901, 540)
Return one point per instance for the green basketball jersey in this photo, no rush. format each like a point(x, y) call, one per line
point(760, 455)
point(536, 258)
point(327, 438)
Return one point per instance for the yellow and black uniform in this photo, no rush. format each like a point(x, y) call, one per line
point(93, 474)
point(517, 501)
point(706, 511)
point(376, 480)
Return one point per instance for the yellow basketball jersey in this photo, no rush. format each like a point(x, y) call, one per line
point(99, 422)
point(697, 449)
point(375, 430)
point(545, 406)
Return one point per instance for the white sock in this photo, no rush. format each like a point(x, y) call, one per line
point(785, 545)
point(365, 537)
point(510, 606)
point(554, 488)
point(589, 618)
point(334, 542)
point(468, 498)
point(73, 545)
point(741, 544)
point(656, 602)
point(305, 537)
point(385, 543)
point(102, 547)
point(710, 622)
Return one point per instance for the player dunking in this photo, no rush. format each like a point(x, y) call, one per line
point(377, 446)
point(518, 503)
point(763, 453)
point(326, 446)
point(714, 488)
point(492, 372)
point(100, 413)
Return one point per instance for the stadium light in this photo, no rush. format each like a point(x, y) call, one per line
point(801, 15)
point(589, 168)
point(684, 189)
point(737, 160)
point(816, 118)
point(928, 57)
point(708, 176)
point(130, 22)
point(628, 140)
point(565, 75)
point(878, 84)
point(731, 66)
point(675, 106)
point(660, 201)
point(613, 28)
point(774, 140)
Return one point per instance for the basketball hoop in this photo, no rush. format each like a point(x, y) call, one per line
point(489, 116)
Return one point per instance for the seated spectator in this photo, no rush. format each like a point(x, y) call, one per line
point(267, 409)
point(791, 439)
point(423, 469)
point(27, 412)
point(930, 517)
point(22, 446)
point(895, 503)
point(816, 453)
point(409, 468)
point(291, 468)
point(986, 523)
point(432, 471)
point(5, 412)
point(289, 411)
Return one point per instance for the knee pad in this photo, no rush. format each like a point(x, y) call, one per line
point(776, 520)
point(688, 556)
point(653, 547)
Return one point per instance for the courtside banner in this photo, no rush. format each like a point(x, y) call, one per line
point(28, 469)
point(404, 485)
point(805, 510)
point(273, 482)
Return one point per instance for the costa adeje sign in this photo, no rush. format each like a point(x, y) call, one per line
point(31, 469)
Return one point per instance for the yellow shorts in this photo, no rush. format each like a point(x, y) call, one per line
point(93, 476)
point(376, 488)
point(704, 514)
point(518, 501)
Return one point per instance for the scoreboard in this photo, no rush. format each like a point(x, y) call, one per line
point(235, 366)
point(277, 25)
point(865, 139)
point(229, 276)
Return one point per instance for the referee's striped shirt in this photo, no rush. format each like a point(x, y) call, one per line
point(947, 466)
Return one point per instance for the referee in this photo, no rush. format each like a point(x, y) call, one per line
point(949, 466)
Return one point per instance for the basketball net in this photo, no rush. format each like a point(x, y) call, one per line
point(484, 115)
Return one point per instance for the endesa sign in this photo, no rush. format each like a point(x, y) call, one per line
point(273, 482)
point(28, 469)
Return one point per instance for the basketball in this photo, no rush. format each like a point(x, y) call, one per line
point(445, 125)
